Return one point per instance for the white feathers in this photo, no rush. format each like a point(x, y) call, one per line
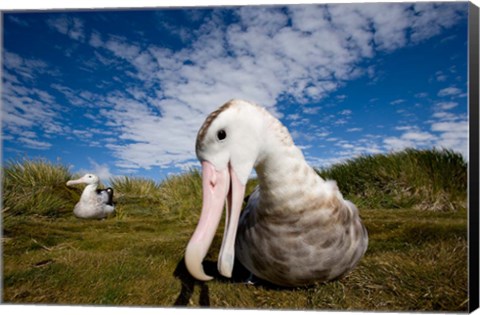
point(93, 203)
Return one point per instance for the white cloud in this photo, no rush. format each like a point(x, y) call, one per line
point(34, 144)
point(440, 76)
point(446, 105)
point(341, 121)
point(421, 95)
point(17, 20)
point(397, 143)
point(95, 40)
point(417, 136)
point(345, 145)
point(346, 112)
point(74, 97)
point(322, 134)
point(24, 68)
point(354, 148)
point(450, 91)
point(354, 129)
point(446, 130)
point(409, 139)
point(444, 116)
point(397, 102)
point(72, 27)
point(26, 108)
point(453, 135)
point(101, 170)
point(293, 117)
point(406, 128)
point(311, 110)
point(432, 18)
point(461, 126)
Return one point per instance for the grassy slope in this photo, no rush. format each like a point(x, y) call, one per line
point(417, 260)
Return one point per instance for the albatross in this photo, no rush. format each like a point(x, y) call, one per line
point(94, 203)
point(296, 228)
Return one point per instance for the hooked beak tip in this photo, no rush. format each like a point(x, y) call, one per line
point(193, 255)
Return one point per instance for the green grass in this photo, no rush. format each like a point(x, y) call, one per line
point(135, 188)
point(417, 256)
point(422, 179)
point(36, 187)
point(181, 196)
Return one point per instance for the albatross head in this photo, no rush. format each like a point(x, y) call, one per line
point(228, 147)
point(89, 179)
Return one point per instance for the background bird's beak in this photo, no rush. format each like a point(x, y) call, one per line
point(217, 186)
point(75, 182)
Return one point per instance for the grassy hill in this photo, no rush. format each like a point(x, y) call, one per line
point(424, 180)
point(413, 204)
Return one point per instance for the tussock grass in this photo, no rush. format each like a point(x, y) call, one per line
point(416, 260)
point(134, 187)
point(178, 197)
point(181, 196)
point(433, 180)
point(36, 187)
point(142, 193)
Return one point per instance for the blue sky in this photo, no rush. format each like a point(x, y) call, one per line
point(124, 92)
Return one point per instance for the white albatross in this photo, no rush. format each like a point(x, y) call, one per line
point(94, 203)
point(296, 228)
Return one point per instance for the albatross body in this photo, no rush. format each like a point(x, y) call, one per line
point(296, 228)
point(94, 203)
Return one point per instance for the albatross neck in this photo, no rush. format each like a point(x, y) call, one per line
point(283, 174)
point(89, 189)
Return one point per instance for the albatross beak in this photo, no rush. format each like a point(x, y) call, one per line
point(217, 186)
point(75, 182)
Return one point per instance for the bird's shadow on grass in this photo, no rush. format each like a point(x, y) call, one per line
point(188, 283)
point(240, 275)
point(188, 286)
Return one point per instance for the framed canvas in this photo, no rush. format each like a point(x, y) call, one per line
point(238, 156)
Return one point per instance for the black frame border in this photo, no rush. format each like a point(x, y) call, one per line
point(473, 163)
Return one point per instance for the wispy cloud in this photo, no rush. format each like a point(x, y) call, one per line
point(72, 27)
point(102, 170)
point(354, 129)
point(444, 130)
point(440, 76)
point(421, 95)
point(27, 110)
point(23, 68)
point(346, 112)
point(446, 105)
point(312, 110)
point(449, 91)
point(453, 135)
point(397, 102)
point(34, 144)
point(18, 21)
point(410, 138)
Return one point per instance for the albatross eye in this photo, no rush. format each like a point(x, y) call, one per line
point(221, 134)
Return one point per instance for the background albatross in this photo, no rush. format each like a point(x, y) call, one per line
point(94, 203)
